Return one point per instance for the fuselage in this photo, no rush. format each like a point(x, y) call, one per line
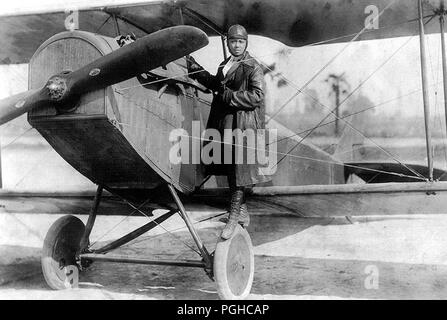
point(119, 137)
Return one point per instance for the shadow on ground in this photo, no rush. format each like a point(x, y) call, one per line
point(277, 276)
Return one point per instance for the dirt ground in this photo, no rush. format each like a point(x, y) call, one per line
point(400, 257)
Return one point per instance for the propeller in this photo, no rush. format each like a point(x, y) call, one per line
point(150, 52)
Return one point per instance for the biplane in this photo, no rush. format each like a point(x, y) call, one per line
point(109, 111)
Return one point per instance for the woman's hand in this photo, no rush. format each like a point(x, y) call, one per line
point(193, 66)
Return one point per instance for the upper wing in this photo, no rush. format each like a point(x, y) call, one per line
point(22, 35)
point(293, 22)
point(302, 22)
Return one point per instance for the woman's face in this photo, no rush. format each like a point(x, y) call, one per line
point(237, 46)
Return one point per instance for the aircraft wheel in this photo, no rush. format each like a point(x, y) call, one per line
point(60, 246)
point(234, 265)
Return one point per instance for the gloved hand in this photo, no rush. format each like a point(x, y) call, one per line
point(192, 65)
point(226, 95)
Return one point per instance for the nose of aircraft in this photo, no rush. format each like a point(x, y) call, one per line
point(147, 53)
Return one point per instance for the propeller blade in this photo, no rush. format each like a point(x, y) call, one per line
point(18, 104)
point(150, 52)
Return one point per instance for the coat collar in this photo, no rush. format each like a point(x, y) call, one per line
point(244, 59)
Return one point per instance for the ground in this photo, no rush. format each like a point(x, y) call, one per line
point(395, 257)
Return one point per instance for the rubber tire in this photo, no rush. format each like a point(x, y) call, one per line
point(61, 243)
point(234, 265)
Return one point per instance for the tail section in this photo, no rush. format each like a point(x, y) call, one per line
point(350, 145)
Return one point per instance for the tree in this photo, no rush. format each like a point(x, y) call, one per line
point(339, 86)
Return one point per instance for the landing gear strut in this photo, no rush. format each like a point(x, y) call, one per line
point(66, 252)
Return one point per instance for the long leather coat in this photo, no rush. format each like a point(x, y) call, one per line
point(238, 104)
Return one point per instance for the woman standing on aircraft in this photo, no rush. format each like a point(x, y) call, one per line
point(238, 103)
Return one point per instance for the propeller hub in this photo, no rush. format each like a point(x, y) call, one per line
point(57, 87)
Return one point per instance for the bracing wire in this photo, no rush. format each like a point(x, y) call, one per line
point(138, 209)
point(141, 239)
point(348, 124)
point(436, 113)
point(40, 160)
point(161, 226)
point(160, 80)
point(349, 115)
point(300, 90)
point(102, 25)
point(357, 35)
point(290, 155)
point(380, 104)
point(392, 156)
point(118, 224)
point(267, 55)
point(17, 138)
point(352, 92)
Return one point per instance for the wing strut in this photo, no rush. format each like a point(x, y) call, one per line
point(195, 15)
point(425, 95)
point(223, 47)
point(116, 26)
point(444, 62)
